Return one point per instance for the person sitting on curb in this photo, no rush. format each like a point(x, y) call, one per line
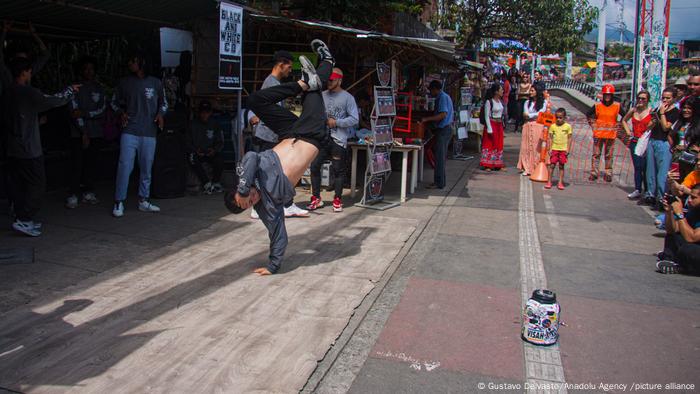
point(682, 243)
point(206, 140)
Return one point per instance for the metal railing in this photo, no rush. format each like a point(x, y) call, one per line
point(583, 87)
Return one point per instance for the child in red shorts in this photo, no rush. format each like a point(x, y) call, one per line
point(560, 134)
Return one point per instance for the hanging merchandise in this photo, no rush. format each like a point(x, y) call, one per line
point(380, 142)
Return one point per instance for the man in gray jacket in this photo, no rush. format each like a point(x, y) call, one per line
point(21, 105)
point(342, 118)
point(140, 101)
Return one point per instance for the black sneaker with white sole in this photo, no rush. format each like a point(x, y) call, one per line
point(308, 74)
point(324, 54)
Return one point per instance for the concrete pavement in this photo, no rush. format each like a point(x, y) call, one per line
point(448, 321)
point(422, 298)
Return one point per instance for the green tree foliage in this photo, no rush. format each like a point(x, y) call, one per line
point(364, 14)
point(619, 51)
point(552, 26)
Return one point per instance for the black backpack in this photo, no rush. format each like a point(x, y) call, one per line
point(482, 113)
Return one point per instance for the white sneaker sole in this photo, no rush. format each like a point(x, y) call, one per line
point(298, 215)
point(308, 68)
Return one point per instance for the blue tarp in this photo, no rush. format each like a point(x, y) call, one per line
point(509, 44)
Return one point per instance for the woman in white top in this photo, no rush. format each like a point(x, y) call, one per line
point(492, 140)
point(532, 131)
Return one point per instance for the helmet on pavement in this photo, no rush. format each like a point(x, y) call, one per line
point(608, 89)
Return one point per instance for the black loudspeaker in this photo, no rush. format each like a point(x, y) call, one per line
point(169, 166)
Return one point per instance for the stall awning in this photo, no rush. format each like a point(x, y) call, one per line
point(445, 50)
point(469, 63)
point(590, 64)
point(612, 64)
point(100, 18)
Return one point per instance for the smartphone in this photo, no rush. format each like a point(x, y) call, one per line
point(675, 167)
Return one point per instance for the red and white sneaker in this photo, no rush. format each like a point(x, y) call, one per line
point(337, 205)
point(315, 203)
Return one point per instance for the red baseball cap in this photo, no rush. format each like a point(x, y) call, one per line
point(336, 74)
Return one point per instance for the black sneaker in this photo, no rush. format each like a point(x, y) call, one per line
point(322, 50)
point(308, 74)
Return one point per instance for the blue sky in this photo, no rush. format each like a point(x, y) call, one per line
point(685, 15)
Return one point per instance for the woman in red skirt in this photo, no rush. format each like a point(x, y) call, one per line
point(492, 140)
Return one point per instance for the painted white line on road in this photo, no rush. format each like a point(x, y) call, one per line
point(542, 364)
point(552, 219)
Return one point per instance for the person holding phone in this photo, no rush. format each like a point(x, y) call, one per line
point(640, 115)
point(659, 149)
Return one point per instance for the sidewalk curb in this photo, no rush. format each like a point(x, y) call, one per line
point(343, 361)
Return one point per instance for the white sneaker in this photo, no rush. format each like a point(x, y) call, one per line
point(308, 74)
point(634, 195)
point(27, 228)
point(90, 198)
point(118, 210)
point(146, 206)
point(254, 214)
point(217, 188)
point(295, 211)
point(207, 188)
point(72, 202)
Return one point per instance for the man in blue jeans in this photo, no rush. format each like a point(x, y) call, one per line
point(659, 150)
point(140, 101)
point(442, 132)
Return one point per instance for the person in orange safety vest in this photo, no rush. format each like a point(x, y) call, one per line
point(603, 119)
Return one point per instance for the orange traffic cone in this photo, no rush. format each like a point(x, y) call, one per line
point(541, 174)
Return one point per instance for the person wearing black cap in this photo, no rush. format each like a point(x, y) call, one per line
point(206, 139)
point(263, 137)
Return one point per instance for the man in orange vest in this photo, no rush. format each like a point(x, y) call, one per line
point(603, 119)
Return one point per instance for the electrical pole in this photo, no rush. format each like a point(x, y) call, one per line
point(658, 51)
point(600, 51)
point(569, 64)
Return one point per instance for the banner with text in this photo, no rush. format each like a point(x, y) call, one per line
point(230, 46)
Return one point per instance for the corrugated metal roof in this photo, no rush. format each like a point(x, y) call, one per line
point(96, 18)
point(440, 48)
point(99, 18)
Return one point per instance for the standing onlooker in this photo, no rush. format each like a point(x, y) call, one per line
point(693, 88)
point(560, 134)
point(6, 78)
point(87, 135)
point(685, 133)
point(523, 95)
point(21, 105)
point(492, 143)
point(532, 131)
point(506, 97)
point(641, 119)
point(513, 110)
point(206, 140)
point(442, 131)
point(658, 149)
point(263, 137)
point(603, 119)
point(681, 86)
point(342, 118)
point(140, 101)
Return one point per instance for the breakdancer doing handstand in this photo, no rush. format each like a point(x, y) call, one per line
point(266, 180)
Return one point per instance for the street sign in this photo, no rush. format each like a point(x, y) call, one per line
point(230, 46)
